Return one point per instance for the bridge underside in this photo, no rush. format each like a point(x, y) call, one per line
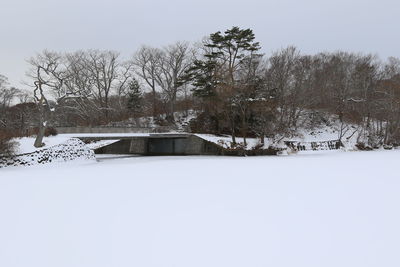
point(153, 145)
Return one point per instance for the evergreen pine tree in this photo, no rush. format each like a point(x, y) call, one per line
point(134, 103)
point(216, 75)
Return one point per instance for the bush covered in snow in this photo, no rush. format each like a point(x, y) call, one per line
point(72, 149)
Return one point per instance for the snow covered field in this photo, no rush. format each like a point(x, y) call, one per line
point(312, 209)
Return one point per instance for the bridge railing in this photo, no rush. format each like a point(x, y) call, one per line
point(113, 129)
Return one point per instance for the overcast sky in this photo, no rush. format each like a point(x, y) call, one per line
point(29, 26)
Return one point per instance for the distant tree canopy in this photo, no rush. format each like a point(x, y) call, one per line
point(225, 80)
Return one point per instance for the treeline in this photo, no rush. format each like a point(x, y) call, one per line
point(8, 126)
point(234, 88)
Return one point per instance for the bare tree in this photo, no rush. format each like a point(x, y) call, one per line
point(389, 99)
point(174, 61)
point(103, 67)
point(280, 77)
point(47, 76)
point(147, 63)
point(93, 76)
point(7, 94)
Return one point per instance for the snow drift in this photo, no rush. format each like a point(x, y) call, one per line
point(70, 150)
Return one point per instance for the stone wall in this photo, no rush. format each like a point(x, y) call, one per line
point(73, 149)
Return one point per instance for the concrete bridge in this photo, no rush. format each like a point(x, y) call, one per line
point(167, 144)
point(156, 144)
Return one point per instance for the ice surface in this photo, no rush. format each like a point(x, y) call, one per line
point(307, 210)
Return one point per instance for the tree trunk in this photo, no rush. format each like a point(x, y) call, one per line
point(233, 137)
point(106, 107)
point(40, 134)
point(233, 132)
point(262, 138)
point(171, 117)
point(42, 124)
point(39, 138)
point(244, 130)
point(154, 102)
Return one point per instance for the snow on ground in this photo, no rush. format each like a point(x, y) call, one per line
point(71, 150)
point(25, 144)
point(327, 131)
point(101, 143)
point(312, 210)
point(329, 128)
point(226, 141)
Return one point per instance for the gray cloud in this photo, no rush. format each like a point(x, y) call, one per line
point(28, 26)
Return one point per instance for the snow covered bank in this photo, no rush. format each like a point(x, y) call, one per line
point(226, 141)
point(324, 209)
point(70, 150)
point(25, 144)
point(310, 136)
point(254, 144)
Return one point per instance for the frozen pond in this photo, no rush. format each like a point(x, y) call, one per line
point(324, 209)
